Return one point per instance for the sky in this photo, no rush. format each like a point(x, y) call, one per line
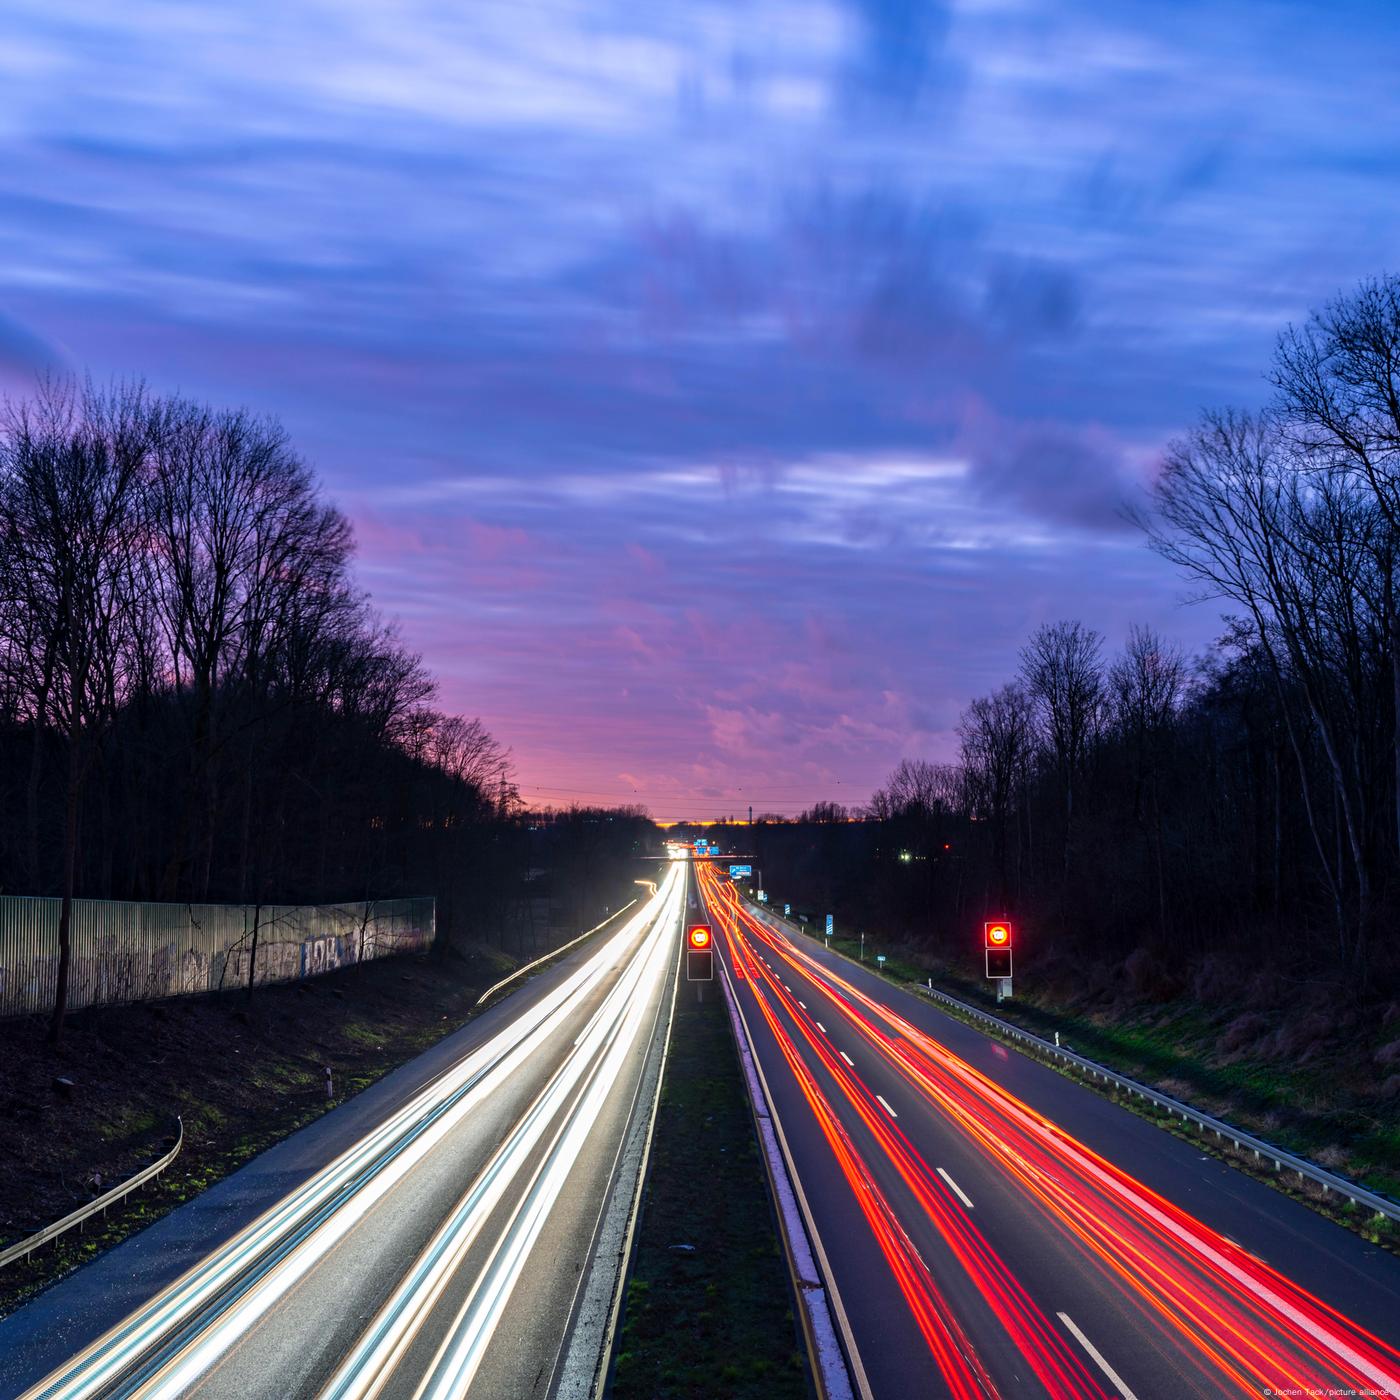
point(721, 391)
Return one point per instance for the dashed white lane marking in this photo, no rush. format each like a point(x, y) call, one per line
point(802, 1004)
point(847, 1058)
point(1093, 1351)
point(885, 1105)
point(957, 1190)
point(821, 1028)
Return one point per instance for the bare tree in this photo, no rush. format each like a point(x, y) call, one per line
point(996, 735)
point(919, 786)
point(243, 540)
point(1302, 551)
point(1063, 675)
point(1145, 687)
point(1338, 384)
point(72, 469)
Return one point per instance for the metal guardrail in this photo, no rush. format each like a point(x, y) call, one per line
point(1226, 1132)
point(544, 958)
point(21, 1249)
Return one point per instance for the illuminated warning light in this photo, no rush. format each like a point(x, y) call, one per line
point(998, 934)
point(699, 936)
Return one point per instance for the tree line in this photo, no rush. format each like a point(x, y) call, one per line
point(1240, 808)
point(196, 700)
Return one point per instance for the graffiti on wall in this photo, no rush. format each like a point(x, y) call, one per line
point(125, 952)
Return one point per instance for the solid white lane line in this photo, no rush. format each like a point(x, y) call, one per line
point(1093, 1351)
point(957, 1190)
point(885, 1105)
point(821, 1028)
point(847, 1058)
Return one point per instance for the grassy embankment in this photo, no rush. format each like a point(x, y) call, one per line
point(242, 1075)
point(1292, 1077)
point(709, 1305)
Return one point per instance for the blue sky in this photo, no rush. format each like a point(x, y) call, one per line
point(721, 391)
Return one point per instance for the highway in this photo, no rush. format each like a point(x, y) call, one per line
point(442, 1235)
point(991, 1228)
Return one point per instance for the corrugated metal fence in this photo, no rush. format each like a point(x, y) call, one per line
point(138, 952)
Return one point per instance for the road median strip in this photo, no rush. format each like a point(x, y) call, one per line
point(708, 1307)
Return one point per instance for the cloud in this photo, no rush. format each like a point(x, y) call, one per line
point(722, 391)
point(23, 354)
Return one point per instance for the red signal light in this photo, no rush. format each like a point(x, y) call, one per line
point(699, 936)
point(998, 934)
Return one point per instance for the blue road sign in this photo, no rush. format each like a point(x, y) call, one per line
point(736, 870)
point(830, 925)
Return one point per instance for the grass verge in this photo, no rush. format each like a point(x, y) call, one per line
point(709, 1304)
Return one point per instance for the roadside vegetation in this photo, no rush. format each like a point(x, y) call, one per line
point(199, 703)
point(709, 1308)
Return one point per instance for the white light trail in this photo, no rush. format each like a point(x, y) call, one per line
point(611, 1034)
point(162, 1347)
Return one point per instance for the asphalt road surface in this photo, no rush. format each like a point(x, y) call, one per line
point(434, 1237)
point(992, 1228)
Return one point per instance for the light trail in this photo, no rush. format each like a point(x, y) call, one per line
point(580, 1087)
point(1233, 1315)
point(961, 1368)
point(163, 1347)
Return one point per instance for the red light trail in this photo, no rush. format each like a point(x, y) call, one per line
point(1239, 1320)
